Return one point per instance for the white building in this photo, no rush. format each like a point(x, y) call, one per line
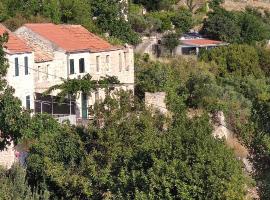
point(19, 75)
point(71, 51)
point(192, 43)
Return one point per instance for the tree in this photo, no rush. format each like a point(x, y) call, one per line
point(194, 4)
point(155, 5)
point(110, 18)
point(131, 157)
point(171, 41)
point(222, 25)
point(12, 117)
point(240, 59)
point(14, 185)
point(138, 23)
point(264, 60)
point(3, 12)
point(214, 4)
point(235, 27)
point(72, 87)
point(253, 29)
point(183, 20)
point(165, 19)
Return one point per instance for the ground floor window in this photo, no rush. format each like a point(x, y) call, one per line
point(84, 106)
point(28, 103)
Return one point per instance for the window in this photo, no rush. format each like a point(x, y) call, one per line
point(97, 63)
point(39, 77)
point(120, 62)
point(81, 65)
point(84, 106)
point(71, 66)
point(108, 62)
point(47, 72)
point(27, 102)
point(16, 67)
point(26, 70)
point(126, 61)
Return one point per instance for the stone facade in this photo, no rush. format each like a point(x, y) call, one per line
point(156, 101)
point(8, 157)
point(117, 62)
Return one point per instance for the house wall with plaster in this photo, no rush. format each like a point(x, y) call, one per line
point(23, 82)
point(118, 62)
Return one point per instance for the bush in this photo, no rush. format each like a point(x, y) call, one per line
point(183, 20)
point(171, 41)
point(165, 18)
point(240, 60)
point(136, 158)
point(235, 27)
point(14, 185)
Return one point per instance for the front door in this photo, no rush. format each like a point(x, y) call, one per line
point(84, 106)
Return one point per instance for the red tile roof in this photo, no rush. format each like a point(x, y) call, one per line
point(71, 38)
point(14, 44)
point(201, 42)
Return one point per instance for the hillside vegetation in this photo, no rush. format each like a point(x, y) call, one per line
point(129, 151)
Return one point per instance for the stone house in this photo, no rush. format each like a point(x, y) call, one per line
point(42, 55)
point(20, 58)
point(71, 51)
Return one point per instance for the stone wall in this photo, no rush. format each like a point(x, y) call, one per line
point(156, 101)
point(8, 157)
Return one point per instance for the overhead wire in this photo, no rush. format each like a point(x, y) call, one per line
point(56, 76)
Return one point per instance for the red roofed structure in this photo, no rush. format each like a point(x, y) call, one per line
point(201, 42)
point(190, 45)
point(71, 38)
point(63, 51)
point(15, 45)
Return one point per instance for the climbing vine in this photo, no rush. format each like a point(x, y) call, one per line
point(85, 85)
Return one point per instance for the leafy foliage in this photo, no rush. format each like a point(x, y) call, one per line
point(171, 41)
point(12, 117)
point(235, 27)
point(131, 157)
point(237, 59)
point(14, 185)
point(156, 4)
point(96, 15)
point(85, 85)
point(183, 20)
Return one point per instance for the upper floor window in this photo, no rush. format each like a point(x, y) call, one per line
point(26, 69)
point(47, 72)
point(97, 63)
point(38, 72)
point(71, 66)
point(108, 62)
point(120, 62)
point(27, 102)
point(81, 65)
point(16, 67)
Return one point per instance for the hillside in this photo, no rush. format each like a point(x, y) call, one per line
point(208, 137)
point(241, 5)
